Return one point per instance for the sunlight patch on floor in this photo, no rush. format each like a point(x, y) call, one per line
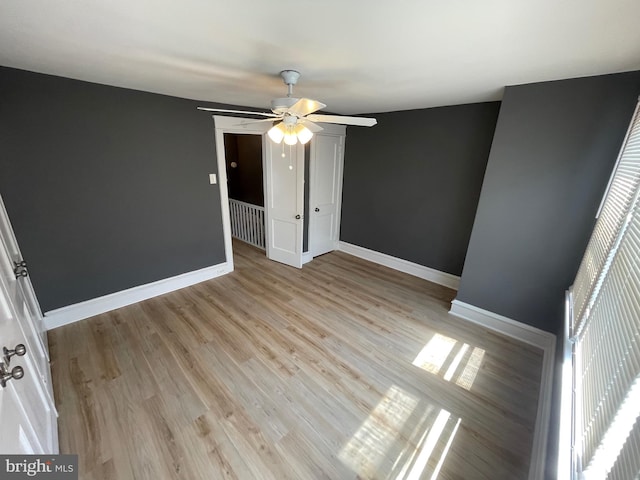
point(462, 362)
point(446, 450)
point(402, 439)
point(468, 375)
point(435, 353)
point(370, 444)
point(456, 363)
point(415, 469)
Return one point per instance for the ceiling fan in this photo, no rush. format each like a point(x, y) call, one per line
point(295, 116)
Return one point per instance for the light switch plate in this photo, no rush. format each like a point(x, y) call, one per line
point(212, 179)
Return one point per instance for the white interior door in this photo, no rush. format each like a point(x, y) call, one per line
point(325, 192)
point(283, 187)
point(284, 202)
point(28, 420)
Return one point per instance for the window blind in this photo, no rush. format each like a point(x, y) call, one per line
point(606, 329)
point(631, 467)
point(622, 188)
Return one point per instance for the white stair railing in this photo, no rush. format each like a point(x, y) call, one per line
point(247, 222)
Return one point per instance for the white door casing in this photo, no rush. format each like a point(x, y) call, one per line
point(283, 241)
point(325, 191)
point(28, 419)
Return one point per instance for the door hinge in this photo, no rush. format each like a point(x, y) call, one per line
point(20, 269)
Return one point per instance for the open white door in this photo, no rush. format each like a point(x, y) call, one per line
point(28, 420)
point(325, 192)
point(284, 202)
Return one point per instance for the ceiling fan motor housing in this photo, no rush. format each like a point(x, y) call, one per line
point(281, 105)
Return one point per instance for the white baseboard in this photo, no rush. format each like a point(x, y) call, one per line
point(79, 311)
point(306, 257)
point(533, 336)
point(420, 271)
point(520, 331)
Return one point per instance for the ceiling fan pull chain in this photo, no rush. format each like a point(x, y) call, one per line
point(283, 155)
point(290, 165)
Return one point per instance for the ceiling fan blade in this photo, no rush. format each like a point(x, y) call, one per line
point(222, 110)
point(249, 122)
point(314, 127)
point(305, 106)
point(358, 121)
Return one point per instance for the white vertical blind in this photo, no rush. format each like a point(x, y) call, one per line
point(606, 329)
point(622, 189)
point(630, 451)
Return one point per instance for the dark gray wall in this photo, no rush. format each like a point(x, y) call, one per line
point(107, 188)
point(412, 182)
point(245, 181)
point(553, 151)
point(554, 148)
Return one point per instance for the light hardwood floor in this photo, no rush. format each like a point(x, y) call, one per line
point(341, 370)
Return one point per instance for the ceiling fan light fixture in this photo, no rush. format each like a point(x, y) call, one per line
point(276, 133)
point(290, 132)
point(290, 138)
point(303, 133)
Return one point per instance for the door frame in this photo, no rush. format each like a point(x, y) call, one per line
point(222, 125)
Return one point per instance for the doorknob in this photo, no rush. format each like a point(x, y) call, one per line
point(297, 217)
point(20, 350)
point(16, 373)
point(317, 209)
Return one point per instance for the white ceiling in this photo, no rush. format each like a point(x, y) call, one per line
point(354, 55)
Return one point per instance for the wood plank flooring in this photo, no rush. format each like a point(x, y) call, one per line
point(341, 370)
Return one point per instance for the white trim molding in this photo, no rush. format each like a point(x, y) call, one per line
point(79, 311)
point(533, 336)
point(306, 257)
point(420, 271)
point(565, 430)
point(520, 331)
point(221, 126)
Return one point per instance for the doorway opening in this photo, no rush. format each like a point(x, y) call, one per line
point(296, 216)
point(283, 192)
point(246, 189)
point(245, 184)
